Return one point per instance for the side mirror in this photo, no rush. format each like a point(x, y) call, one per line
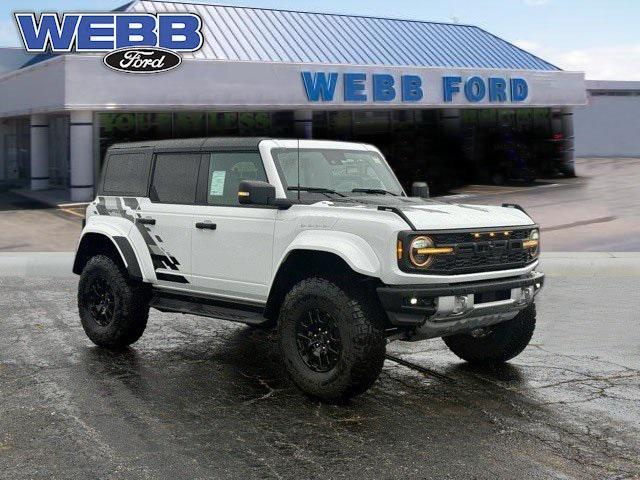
point(420, 189)
point(255, 192)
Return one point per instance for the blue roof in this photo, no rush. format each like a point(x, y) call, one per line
point(234, 33)
point(12, 58)
point(258, 34)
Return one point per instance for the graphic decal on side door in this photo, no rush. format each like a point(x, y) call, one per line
point(128, 208)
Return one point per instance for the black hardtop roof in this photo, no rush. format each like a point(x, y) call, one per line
point(193, 143)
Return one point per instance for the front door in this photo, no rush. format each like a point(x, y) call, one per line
point(232, 245)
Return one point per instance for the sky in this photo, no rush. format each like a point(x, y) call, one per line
point(599, 37)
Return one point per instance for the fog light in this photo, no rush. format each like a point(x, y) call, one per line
point(459, 304)
point(526, 294)
point(413, 301)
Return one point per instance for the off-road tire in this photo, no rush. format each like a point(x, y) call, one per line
point(360, 321)
point(502, 341)
point(130, 305)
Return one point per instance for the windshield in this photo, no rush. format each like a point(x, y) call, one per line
point(333, 172)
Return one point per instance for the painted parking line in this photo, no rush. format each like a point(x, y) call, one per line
point(72, 212)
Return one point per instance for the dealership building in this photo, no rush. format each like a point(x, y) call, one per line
point(433, 97)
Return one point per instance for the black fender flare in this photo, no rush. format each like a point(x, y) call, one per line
point(120, 244)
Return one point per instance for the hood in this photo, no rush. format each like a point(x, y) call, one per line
point(454, 216)
point(426, 214)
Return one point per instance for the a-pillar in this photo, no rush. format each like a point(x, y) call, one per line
point(303, 123)
point(39, 152)
point(81, 156)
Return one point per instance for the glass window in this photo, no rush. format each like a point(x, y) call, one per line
point(506, 117)
point(542, 119)
point(487, 118)
point(175, 177)
point(127, 174)
point(227, 170)
point(371, 122)
point(118, 126)
point(403, 120)
point(524, 118)
point(282, 124)
point(153, 125)
point(189, 125)
point(254, 123)
point(339, 125)
point(320, 125)
point(223, 123)
point(338, 170)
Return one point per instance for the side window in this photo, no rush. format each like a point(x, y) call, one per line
point(227, 170)
point(127, 174)
point(175, 177)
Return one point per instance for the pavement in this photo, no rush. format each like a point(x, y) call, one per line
point(598, 211)
point(200, 398)
point(30, 225)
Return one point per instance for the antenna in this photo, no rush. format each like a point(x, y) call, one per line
point(298, 169)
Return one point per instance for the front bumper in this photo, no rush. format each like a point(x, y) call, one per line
point(429, 311)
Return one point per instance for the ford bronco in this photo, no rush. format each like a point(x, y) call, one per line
point(316, 239)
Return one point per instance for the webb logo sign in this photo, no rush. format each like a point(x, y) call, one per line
point(136, 43)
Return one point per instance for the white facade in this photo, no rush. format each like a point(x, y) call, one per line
point(609, 125)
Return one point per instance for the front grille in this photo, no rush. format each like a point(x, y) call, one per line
point(480, 253)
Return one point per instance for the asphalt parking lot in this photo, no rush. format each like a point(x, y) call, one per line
point(197, 398)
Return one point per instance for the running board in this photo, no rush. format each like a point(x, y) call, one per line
point(208, 307)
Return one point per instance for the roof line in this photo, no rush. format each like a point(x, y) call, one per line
point(519, 48)
point(207, 4)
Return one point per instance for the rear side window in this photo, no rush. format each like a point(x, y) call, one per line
point(127, 174)
point(175, 177)
point(227, 170)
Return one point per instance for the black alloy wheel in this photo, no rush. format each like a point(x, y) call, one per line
point(318, 340)
point(101, 302)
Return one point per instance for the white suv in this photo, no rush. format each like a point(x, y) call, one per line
point(315, 238)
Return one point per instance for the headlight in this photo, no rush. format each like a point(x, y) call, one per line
point(418, 251)
point(533, 243)
point(422, 250)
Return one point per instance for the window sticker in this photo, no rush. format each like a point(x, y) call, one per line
point(217, 183)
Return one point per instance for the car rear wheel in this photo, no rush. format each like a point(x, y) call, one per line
point(497, 343)
point(113, 308)
point(332, 339)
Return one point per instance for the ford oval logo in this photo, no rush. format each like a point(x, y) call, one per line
point(142, 60)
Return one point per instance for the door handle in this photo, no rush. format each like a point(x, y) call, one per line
point(146, 221)
point(206, 225)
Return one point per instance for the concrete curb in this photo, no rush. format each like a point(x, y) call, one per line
point(613, 264)
point(33, 264)
point(591, 264)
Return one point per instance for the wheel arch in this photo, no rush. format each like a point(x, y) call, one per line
point(300, 263)
point(116, 246)
point(352, 249)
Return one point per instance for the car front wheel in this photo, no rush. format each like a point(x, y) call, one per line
point(331, 338)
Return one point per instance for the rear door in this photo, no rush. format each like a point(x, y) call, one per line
point(232, 244)
point(167, 215)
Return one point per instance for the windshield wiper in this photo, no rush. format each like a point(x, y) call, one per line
point(373, 190)
point(315, 189)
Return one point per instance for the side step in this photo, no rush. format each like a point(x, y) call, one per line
point(208, 307)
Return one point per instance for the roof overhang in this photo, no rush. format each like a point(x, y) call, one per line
point(83, 82)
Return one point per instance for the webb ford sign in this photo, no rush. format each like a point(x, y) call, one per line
point(384, 87)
